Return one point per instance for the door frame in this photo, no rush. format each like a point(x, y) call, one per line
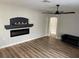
point(57, 31)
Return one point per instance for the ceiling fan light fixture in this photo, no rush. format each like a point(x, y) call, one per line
point(57, 12)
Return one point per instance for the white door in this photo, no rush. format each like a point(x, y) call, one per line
point(53, 26)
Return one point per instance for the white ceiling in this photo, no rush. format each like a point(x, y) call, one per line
point(67, 5)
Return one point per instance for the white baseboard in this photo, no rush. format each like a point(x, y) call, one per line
point(58, 38)
point(20, 42)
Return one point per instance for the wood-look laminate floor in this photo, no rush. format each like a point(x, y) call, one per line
point(46, 47)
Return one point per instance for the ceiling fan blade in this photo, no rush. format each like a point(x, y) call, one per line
point(59, 13)
point(48, 12)
point(67, 12)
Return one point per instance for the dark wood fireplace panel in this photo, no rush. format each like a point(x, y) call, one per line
point(19, 32)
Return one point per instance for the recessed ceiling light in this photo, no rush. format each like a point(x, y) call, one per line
point(46, 1)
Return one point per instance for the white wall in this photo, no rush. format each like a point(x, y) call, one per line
point(35, 17)
point(67, 24)
point(70, 24)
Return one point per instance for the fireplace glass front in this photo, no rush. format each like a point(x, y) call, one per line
point(19, 32)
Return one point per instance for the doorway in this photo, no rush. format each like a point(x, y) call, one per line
point(53, 27)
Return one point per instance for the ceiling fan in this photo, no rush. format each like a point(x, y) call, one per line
point(59, 12)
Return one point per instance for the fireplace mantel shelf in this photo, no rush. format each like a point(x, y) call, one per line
point(18, 26)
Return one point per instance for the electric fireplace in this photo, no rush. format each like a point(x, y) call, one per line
point(19, 32)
